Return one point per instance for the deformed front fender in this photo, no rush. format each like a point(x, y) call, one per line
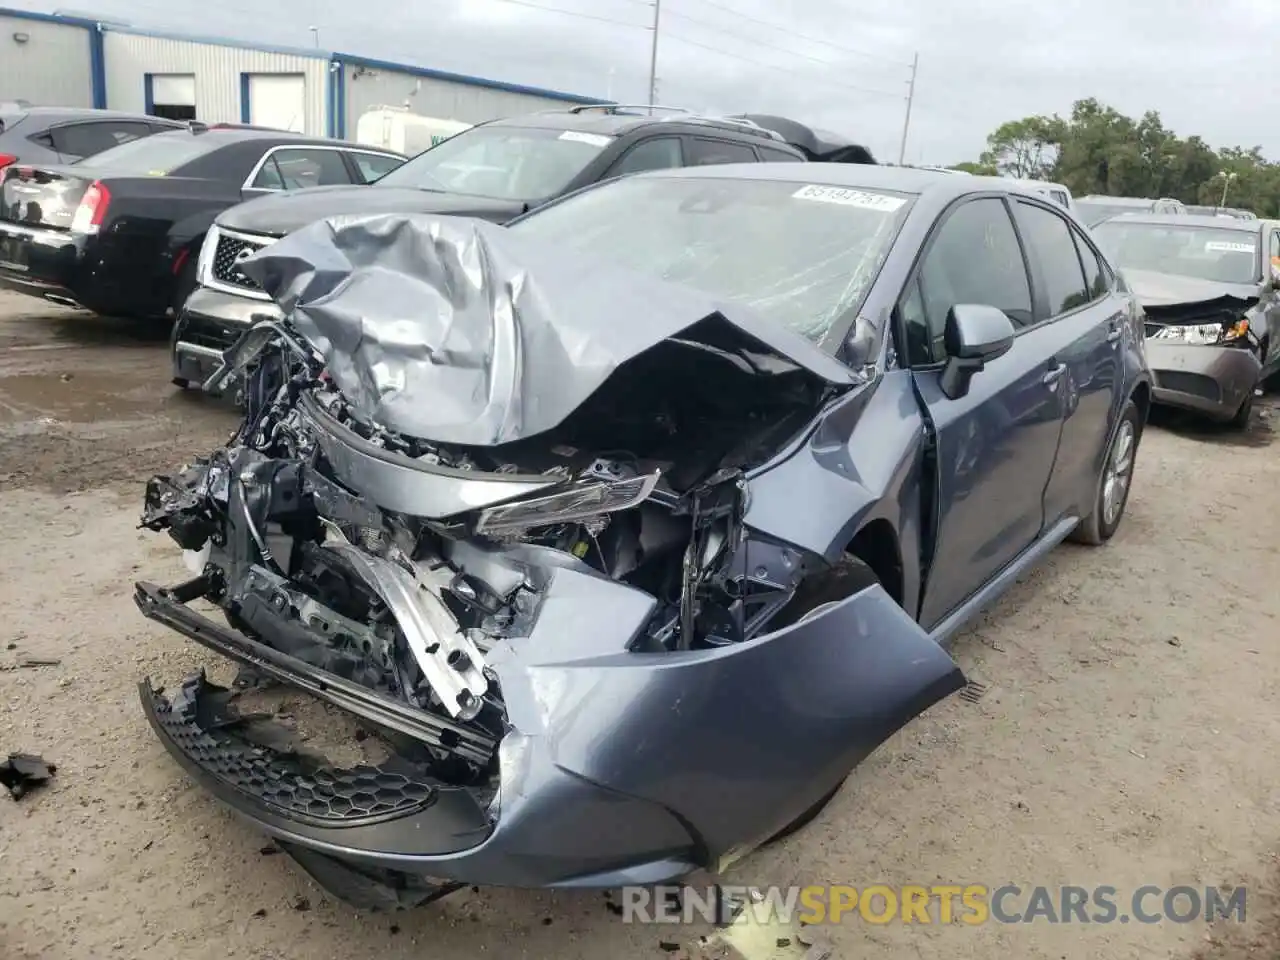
point(734, 742)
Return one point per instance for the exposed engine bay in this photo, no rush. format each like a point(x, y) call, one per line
point(644, 484)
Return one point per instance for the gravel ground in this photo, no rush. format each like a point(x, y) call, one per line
point(1129, 707)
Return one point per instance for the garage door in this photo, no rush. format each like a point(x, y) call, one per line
point(277, 100)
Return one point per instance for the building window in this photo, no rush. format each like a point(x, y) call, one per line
point(171, 95)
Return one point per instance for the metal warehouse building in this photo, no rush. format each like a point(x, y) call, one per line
point(66, 61)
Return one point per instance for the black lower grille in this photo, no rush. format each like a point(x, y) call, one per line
point(199, 724)
point(231, 250)
point(1195, 384)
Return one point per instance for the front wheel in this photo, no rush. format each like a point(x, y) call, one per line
point(1113, 487)
point(1240, 421)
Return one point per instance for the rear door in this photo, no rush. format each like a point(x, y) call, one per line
point(1081, 322)
point(995, 446)
point(367, 166)
point(652, 153)
point(296, 168)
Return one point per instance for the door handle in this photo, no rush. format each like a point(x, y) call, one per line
point(1054, 374)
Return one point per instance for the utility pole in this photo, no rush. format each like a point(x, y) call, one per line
point(911, 95)
point(653, 56)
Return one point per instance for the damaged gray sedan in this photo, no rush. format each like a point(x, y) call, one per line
point(1210, 288)
point(629, 529)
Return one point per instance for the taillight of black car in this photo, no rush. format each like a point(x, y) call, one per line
point(92, 209)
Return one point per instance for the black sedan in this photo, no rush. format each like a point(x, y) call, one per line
point(120, 232)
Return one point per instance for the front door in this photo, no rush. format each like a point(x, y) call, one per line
point(996, 444)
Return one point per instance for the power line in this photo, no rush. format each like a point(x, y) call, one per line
point(575, 13)
point(774, 66)
point(743, 37)
point(803, 36)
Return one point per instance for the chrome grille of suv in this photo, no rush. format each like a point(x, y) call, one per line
point(226, 259)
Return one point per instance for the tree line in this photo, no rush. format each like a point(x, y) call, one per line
point(1098, 150)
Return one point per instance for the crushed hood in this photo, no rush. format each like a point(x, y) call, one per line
point(1166, 289)
point(459, 331)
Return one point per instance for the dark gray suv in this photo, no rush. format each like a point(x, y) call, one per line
point(57, 135)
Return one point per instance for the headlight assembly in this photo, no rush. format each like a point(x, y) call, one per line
point(1204, 334)
point(582, 501)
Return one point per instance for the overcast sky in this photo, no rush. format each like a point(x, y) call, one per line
point(840, 64)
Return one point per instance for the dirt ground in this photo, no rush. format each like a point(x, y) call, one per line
point(1125, 737)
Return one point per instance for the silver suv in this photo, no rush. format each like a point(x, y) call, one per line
point(1094, 209)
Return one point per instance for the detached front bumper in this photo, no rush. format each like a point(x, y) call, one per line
point(1209, 380)
point(617, 768)
point(211, 322)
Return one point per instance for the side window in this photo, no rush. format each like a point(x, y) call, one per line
point(86, 139)
point(268, 177)
point(1049, 238)
point(772, 155)
point(706, 152)
point(295, 168)
point(660, 153)
point(974, 258)
point(1060, 197)
point(1094, 276)
point(374, 165)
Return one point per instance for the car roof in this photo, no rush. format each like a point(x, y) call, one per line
point(223, 136)
point(82, 113)
point(612, 124)
point(932, 184)
point(1122, 201)
point(1190, 220)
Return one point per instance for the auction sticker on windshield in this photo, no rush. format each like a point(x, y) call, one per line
point(1221, 246)
point(595, 139)
point(850, 198)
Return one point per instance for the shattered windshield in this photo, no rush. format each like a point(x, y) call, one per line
point(802, 255)
point(1206, 253)
point(506, 163)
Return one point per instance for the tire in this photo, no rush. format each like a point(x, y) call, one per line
point(1240, 421)
point(1104, 519)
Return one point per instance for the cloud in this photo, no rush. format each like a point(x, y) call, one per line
point(841, 64)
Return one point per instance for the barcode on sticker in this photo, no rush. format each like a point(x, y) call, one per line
point(595, 139)
point(850, 198)
point(1222, 246)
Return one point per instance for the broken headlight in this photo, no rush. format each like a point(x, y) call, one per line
point(582, 501)
point(1204, 334)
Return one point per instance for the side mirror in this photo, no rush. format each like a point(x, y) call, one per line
point(975, 334)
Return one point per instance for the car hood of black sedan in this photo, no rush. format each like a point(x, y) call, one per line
point(277, 214)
